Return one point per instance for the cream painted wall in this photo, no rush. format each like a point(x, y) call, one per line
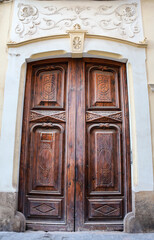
point(5, 20)
point(148, 20)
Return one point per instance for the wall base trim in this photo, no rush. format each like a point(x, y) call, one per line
point(10, 219)
point(142, 217)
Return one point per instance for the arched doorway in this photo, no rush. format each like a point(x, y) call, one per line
point(75, 154)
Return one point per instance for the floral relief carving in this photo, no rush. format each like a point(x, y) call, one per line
point(29, 20)
point(122, 19)
point(77, 42)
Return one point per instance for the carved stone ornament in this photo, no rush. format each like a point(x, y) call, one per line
point(77, 41)
point(118, 19)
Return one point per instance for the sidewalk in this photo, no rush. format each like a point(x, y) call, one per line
point(74, 236)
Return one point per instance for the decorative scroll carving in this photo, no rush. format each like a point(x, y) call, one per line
point(39, 114)
point(103, 116)
point(122, 19)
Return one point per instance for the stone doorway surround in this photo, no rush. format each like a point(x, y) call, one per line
point(39, 31)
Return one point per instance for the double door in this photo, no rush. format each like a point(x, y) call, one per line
point(75, 158)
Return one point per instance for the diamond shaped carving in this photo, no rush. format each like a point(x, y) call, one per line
point(44, 208)
point(105, 209)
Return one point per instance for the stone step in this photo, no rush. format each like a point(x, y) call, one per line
point(74, 236)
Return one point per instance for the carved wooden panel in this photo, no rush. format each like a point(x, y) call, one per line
point(49, 86)
point(50, 208)
point(103, 89)
point(104, 209)
point(104, 159)
point(43, 116)
point(46, 156)
point(93, 116)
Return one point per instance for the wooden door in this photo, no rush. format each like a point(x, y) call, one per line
point(75, 169)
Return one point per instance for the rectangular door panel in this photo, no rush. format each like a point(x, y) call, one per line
point(45, 208)
point(102, 86)
point(104, 159)
point(104, 209)
point(46, 159)
point(49, 86)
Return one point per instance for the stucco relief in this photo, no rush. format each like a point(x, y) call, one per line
point(124, 19)
point(105, 18)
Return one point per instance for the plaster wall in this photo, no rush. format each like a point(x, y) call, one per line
point(5, 23)
point(148, 20)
